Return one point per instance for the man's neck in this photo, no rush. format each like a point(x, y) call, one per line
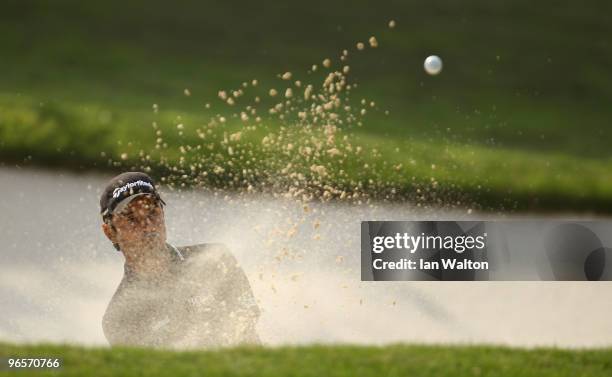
point(152, 260)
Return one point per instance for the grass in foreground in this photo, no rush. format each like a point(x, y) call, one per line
point(319, 360)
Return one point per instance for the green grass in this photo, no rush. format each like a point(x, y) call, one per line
point(320, 360)
point(517, 120)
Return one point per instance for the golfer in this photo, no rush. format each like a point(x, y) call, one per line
point(171, 297)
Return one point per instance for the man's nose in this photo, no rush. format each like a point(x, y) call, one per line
point(147, 224)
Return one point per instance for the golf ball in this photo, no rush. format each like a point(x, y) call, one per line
point(433, 65)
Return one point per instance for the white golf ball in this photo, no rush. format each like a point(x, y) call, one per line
point(433, 65)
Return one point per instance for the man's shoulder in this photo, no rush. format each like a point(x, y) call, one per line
point(207, 251)
point(213, 260)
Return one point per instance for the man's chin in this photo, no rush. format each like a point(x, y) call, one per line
point(151, 239)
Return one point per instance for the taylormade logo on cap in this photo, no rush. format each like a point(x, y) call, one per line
point(127, 186)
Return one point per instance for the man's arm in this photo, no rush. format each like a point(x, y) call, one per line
point(236, 295)
point(222, 306)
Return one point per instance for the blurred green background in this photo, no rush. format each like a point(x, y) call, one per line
point(518, 119)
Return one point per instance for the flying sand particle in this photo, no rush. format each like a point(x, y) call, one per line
point(308, 92)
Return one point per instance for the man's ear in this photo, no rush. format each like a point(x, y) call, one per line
point(111, 233)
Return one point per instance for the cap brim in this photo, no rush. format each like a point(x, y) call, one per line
point(122, 204)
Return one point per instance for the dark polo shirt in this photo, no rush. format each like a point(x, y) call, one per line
point(205, 301)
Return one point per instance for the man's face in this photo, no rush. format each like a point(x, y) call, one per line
point(140, 224)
